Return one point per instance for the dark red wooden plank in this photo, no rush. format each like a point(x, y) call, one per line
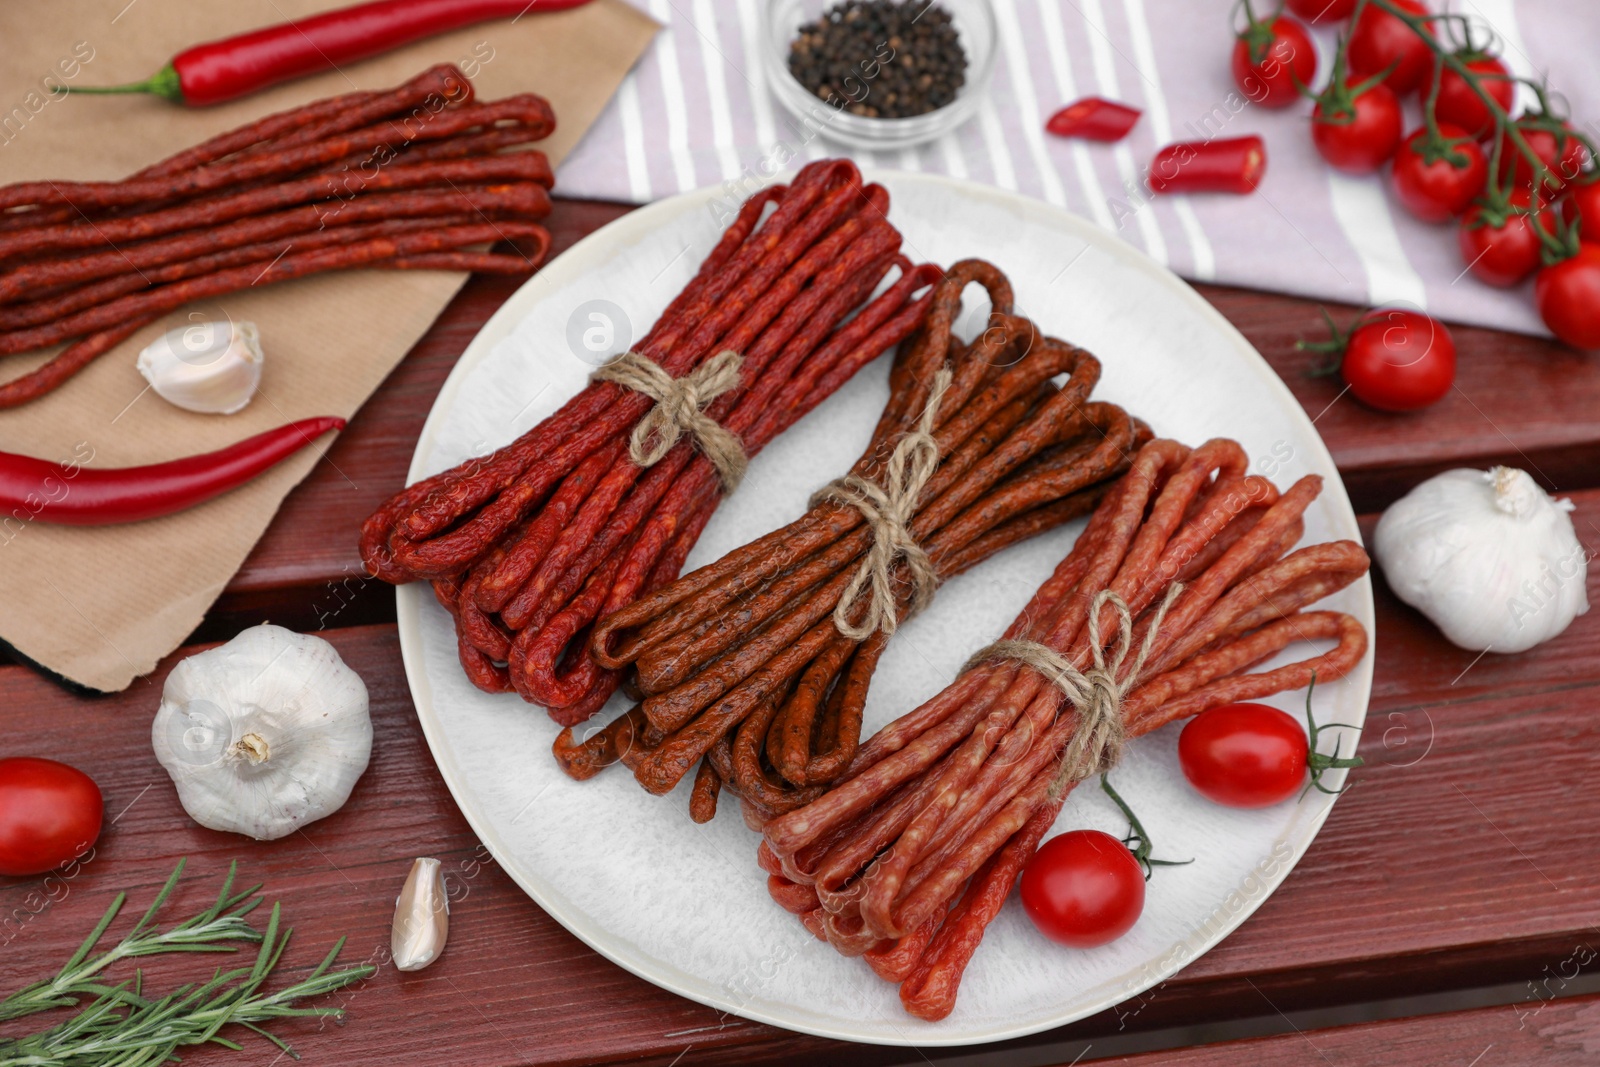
point(1554, 1033)
point(1517, 399)
point(1405, 891)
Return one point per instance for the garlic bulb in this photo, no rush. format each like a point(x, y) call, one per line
point(263, 734)
point(421, 917)
point(209, 367)
point(1488, 556)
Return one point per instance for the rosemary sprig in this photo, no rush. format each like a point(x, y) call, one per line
point(120, 1026)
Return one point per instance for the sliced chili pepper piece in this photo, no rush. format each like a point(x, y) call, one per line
point(86, 496)
point(1094, 119)
point(1235, 165)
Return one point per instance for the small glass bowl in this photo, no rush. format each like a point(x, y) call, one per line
point(974, 24)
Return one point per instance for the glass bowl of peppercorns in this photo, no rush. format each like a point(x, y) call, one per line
point(879, 73)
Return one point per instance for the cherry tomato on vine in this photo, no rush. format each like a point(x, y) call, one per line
point(1460, 106)
point(1363, 138)
point(1083, 888)
point(1568, 295)
point(1253, 756)
point(1395, 360)
point(1562, 154)
point(1379, 40)
point(1585, 203)
point(1271, 60)
point(1440, 183)
point(49, 814)
point(1503, 248)
point(1322, 12)
point(1244, 755)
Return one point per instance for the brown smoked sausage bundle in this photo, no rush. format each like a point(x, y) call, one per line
point(745, 668)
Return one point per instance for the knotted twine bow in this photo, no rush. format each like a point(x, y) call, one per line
point(1096, 695)
point(889, 512)
point(677, 410)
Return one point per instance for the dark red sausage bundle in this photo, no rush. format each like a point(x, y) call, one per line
point(529, 545)
point(414, 178)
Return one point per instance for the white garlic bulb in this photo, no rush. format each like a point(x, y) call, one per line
point(421, 917)
point(1488, 556)
point(263, 734)
point(210, 367)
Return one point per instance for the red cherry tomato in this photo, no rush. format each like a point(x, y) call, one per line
point(1568, 295)
point(1083, 888)
point(1440, 190)
point(1506, 254)
point(1379, 40)
point(1459, 105)
point(1399, 360)
point(1565, 156)
point(1362, 141)
point(49, 814)
point(1244, 755)
point(1272, 60)
point(1585, 203)
point(1323, 12)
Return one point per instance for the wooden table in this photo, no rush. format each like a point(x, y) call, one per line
point(1466, 855)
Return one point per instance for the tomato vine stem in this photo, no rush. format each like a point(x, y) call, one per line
point(1136, 833)
point(1318, 763)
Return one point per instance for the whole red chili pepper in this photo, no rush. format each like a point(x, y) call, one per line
point(1094, 119)
point(85, 496)
point(1232, 166)
point(234, 66)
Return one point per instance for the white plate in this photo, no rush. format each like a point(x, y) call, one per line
point(685, 906)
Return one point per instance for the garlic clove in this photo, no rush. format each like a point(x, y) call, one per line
point(263, 734)
point(210, 367)
point(421, 917)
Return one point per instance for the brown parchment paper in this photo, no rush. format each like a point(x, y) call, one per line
point(101, 605)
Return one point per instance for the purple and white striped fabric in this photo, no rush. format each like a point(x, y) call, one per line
point(696, 111)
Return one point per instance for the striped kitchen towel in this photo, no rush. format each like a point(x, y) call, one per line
point(696, 111)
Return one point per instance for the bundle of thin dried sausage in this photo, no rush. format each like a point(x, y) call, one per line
point(911, 855)
point(529, 545)
point(414, 178)
point(756, 668)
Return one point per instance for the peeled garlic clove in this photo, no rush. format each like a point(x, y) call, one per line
point(421, 917)
point(263, 734)
point(209, 367)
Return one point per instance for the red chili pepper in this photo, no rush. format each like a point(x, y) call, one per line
point(1232, 166)
point(1094, 119)
point(85, 496)
point(222, 70)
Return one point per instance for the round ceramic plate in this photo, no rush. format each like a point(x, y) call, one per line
point(685, 906)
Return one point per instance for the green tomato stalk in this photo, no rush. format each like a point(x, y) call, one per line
point(1319, 763)
point(1137, 841)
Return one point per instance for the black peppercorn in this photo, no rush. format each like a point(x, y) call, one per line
point(880, 58)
